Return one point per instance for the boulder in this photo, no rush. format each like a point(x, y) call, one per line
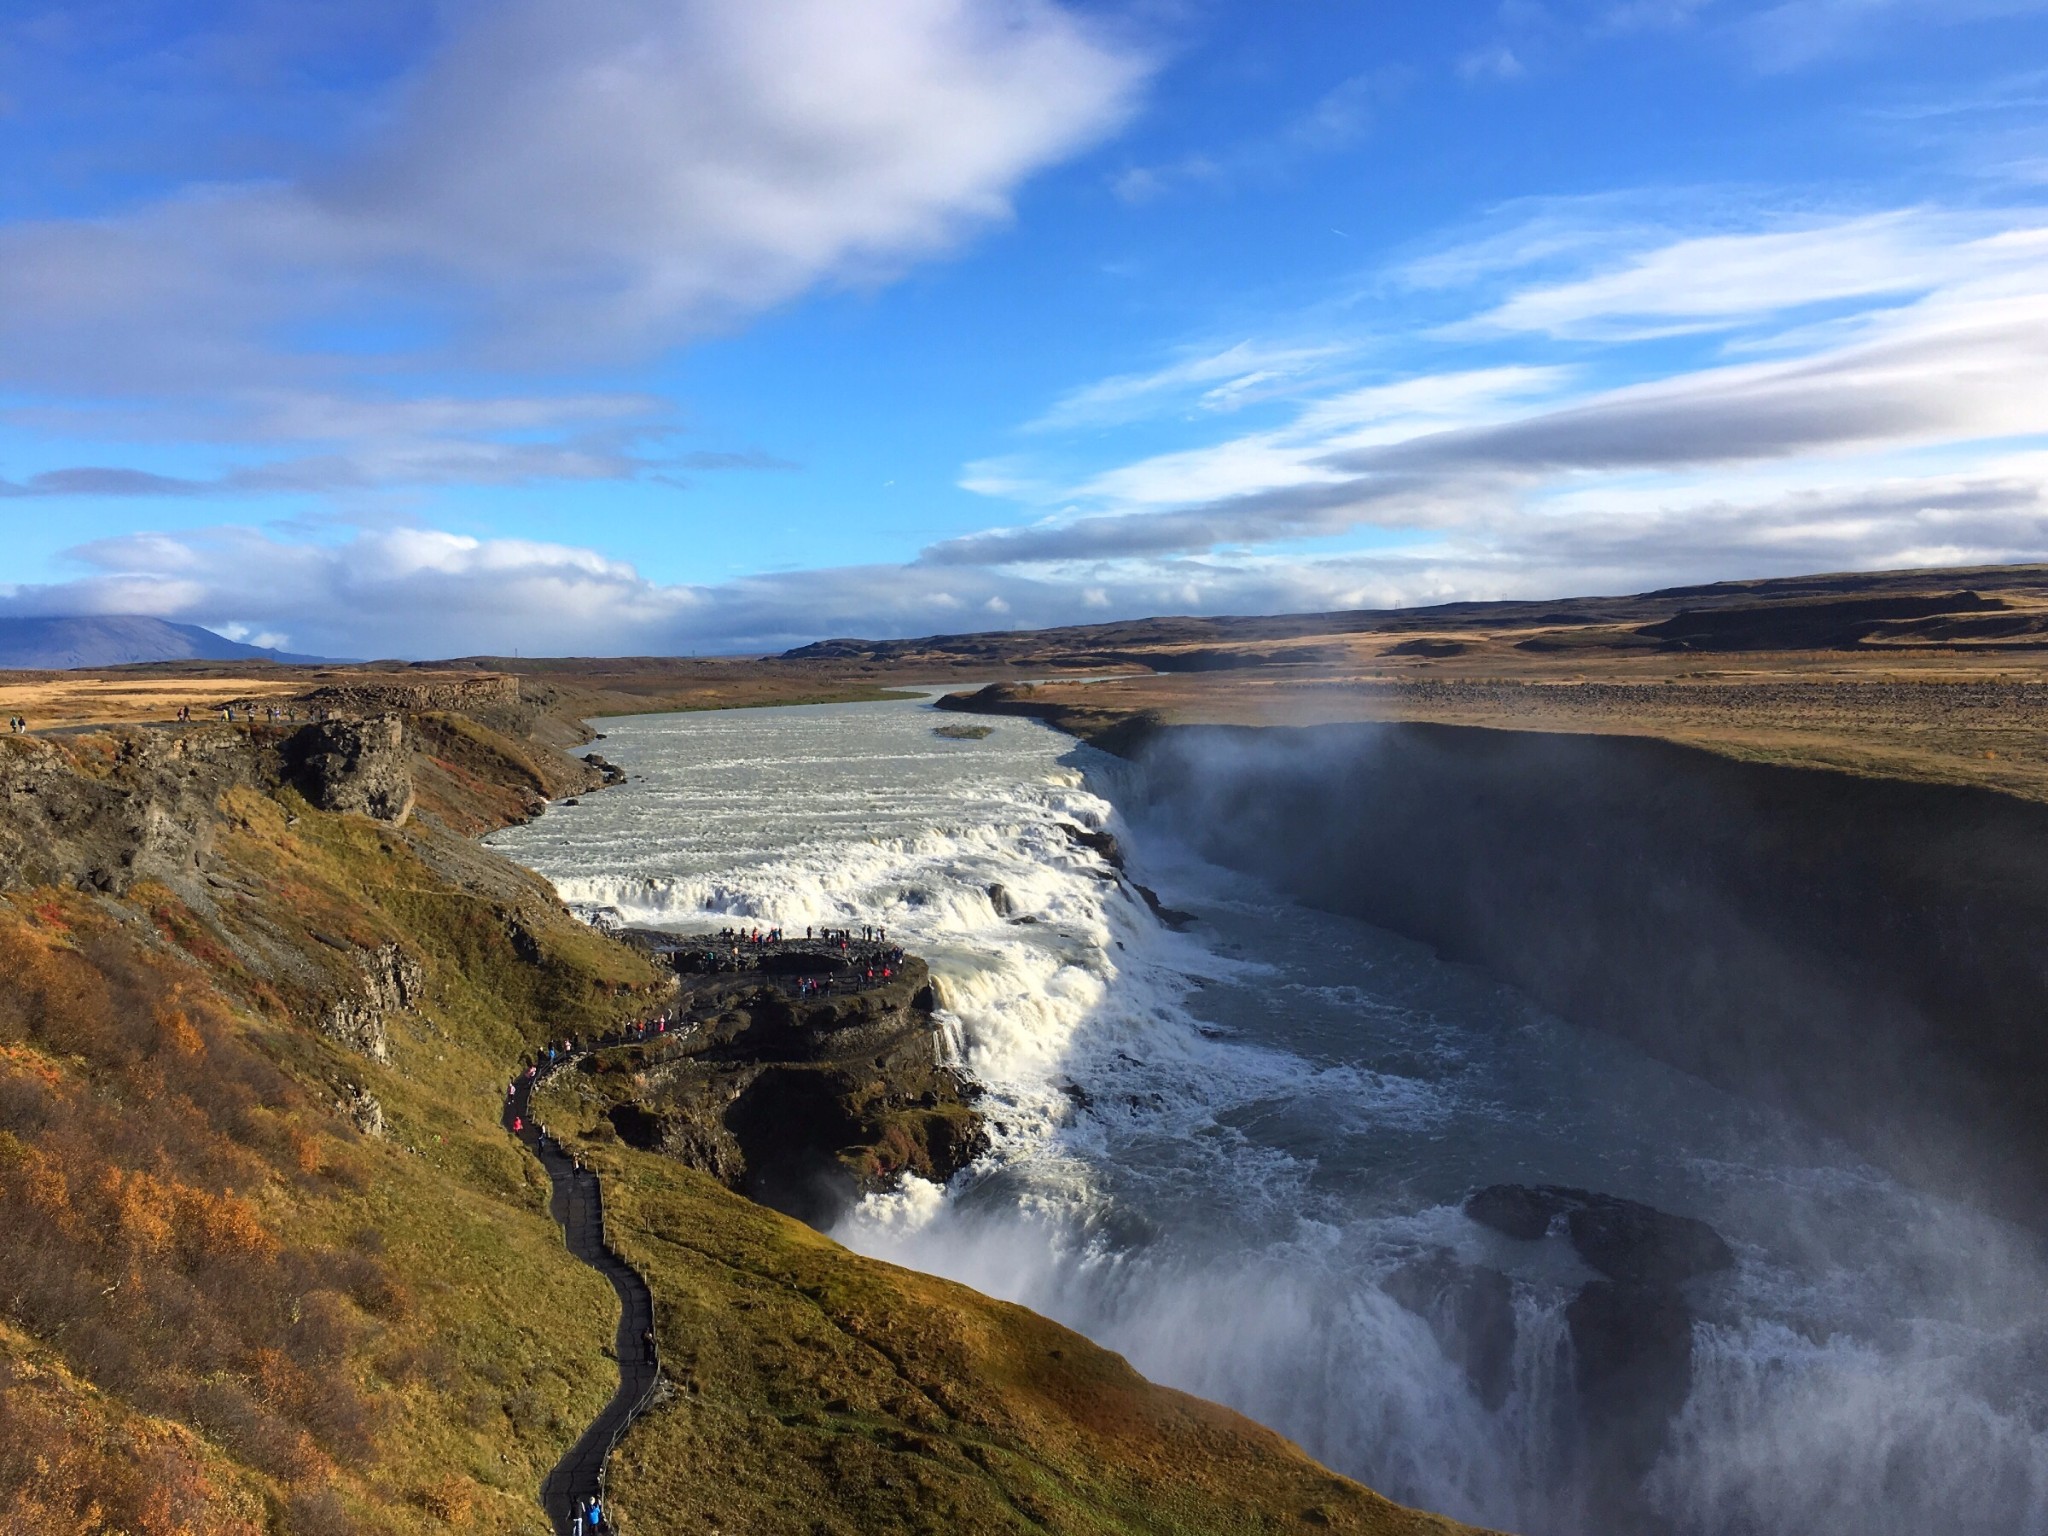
point(360, 1107)
point(1471, 1311)
point(1000, 899)
point(1637, 1244)
point(1625, 1240)
point(1515, 1209)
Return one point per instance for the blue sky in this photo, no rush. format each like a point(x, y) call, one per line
point(426, 327)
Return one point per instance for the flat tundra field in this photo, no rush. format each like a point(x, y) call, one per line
point(1937, 676)
point(56, 700)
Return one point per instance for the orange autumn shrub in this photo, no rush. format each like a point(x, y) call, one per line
point(140, 1129)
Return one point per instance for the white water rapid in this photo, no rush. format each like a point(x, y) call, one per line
point(1212, 1146)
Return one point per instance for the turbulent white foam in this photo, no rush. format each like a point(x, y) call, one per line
point(911, 1206)
point(1211, 1147)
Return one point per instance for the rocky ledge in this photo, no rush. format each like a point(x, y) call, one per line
point(801, 1101)
point(131, 803)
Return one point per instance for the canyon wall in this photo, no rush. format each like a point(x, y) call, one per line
point(1871, 954)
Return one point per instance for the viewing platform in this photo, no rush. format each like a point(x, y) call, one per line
point(820, 962)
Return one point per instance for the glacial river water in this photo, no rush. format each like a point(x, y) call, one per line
point(1212, 1146)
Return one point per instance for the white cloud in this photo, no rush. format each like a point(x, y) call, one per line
point(1939, 352)
point(647, 164)
point(567, 182)
point(1496, 61)
point(1719, 281)
point(426, 592)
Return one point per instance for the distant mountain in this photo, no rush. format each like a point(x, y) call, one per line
point(118, 640)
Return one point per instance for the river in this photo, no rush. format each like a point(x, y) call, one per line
point(1213, 1146)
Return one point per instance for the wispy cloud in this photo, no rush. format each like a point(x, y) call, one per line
point(1495, 61)
point(1946, 350)
point(89, 480)
point(1716, 282)
point(748, 458)
point(1340, 118)
point(1200, 380)
point(1798, 33)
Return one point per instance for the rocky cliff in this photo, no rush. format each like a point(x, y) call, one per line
point(356, 767)
point(802, 1103)
point(143, 803)
point(135, 805)
point(1870, 953)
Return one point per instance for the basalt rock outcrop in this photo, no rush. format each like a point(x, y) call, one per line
point(473, 695)
point(391, 982)
point(140, 805)
point(361, 1108)
point(1632, 1365)
point(1625, 1240)
point(1111, 852)
point(803, 1103)
point(1102, 843)
point(356, 767)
